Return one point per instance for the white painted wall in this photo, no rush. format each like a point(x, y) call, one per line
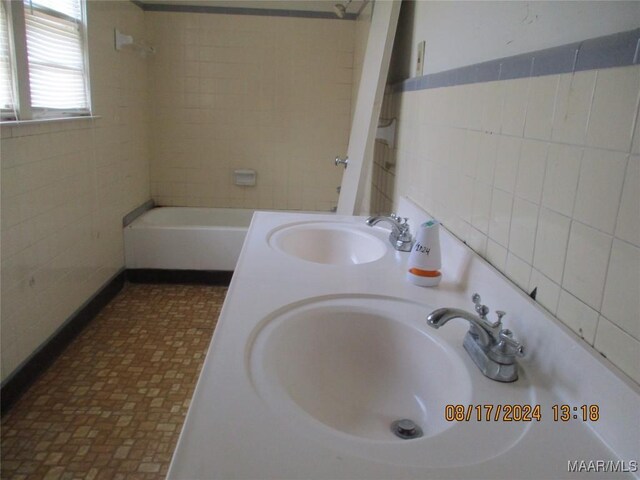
point(463, 33)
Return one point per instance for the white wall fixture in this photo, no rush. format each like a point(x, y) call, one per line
point(387, 132)
point(121, 40)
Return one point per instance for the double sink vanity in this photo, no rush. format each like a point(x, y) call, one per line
point(323, 365)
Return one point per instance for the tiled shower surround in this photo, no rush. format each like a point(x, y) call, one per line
point(238, 91)
point(540, 176)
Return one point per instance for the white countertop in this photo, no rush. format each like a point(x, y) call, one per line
point(231, 432)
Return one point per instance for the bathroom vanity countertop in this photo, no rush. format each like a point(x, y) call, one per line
point(232, 432)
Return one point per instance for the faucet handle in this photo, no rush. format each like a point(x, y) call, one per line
point(508, 345)
point(481, 309)
point(399, 219)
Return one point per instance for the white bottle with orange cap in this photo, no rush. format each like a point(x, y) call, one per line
point(424, 261)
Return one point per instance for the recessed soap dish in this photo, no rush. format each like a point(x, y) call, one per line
point(244, 177)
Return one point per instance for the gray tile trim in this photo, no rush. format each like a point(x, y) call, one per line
point(262, 12)
point(555, 60)
point(136, 212)
point(606, 52)
point(487, 72)
point(617, 50)
point(519, 66)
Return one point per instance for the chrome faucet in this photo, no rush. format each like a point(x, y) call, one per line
point(400, 236)
point(492, 348)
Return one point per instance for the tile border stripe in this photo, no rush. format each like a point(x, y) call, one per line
point(261, 12)
point(617, 50)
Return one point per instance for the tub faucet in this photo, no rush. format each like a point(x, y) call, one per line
point(400, 236)
point(492, 348)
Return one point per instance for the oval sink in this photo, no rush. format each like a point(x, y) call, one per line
point(343, 369)
point(328, 243)
point(358, 368)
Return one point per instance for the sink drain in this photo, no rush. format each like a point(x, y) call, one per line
point(406, 429)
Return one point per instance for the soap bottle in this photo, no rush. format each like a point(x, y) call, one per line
point(424, 260)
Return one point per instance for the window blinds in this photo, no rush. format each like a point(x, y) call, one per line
point(55, 55)
point(6, 90)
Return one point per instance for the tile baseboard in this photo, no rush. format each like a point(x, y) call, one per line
point(24, 376)
point(201, 277)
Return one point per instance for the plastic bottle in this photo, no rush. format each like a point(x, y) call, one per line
point(424, 261)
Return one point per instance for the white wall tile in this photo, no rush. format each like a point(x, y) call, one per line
point(533, 158)
point(500, 219)
point(621, 303)
point(477, 241)
point(547, 293)
point(514, 107)
point(524, 222)
point(561, 188)
point(464, 204)
point(492, 108)
point(635, 147)
point(507, 163)
point(540, 107)
point(578, 316)
point(615, 103)
point(619, 347)
point(519, 271)
point(481, 207)
point(75, 181)
point(551, 244)
point(586, 264)
point(573, 103)
point(496, 255)
point(487, 152)
point(561, 178)
point(599, 188)
point(628, 224)
point(472, 142)
point(243, 102)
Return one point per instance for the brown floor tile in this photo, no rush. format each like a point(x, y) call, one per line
point(112, 405)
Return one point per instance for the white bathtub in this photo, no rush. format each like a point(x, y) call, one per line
point(185, 238)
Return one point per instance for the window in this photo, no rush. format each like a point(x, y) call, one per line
point(7, 103)
point(48, 40)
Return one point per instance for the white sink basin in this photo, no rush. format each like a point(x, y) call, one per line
point(351, 365)
point(328, 243)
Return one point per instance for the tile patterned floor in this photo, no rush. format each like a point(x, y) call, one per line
point(113, 404)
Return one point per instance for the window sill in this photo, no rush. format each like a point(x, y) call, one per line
point(40, 121)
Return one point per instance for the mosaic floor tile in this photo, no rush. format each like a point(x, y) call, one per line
point(112, 405)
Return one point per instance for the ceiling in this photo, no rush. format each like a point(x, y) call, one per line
point(303, 5)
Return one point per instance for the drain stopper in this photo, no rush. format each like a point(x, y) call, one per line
point(406, 429)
